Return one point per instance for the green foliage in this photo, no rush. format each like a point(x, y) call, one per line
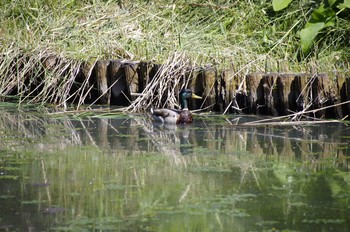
point(280, 4)
point(345, 4)
point(322, 20)
point(308, 35)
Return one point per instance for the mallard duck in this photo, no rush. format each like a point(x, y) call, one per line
point(173, 116)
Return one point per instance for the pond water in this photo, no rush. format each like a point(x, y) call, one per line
point(114, 172)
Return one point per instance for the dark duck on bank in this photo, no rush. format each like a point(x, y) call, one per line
point(173, 116)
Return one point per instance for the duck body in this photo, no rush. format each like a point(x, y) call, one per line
point(173, 116)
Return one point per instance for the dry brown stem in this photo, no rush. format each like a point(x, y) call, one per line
point(268, 121)
point(162, 90)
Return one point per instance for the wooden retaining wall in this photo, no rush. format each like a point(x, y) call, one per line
point(118, 82)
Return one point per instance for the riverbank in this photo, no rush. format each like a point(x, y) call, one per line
point(48, 48)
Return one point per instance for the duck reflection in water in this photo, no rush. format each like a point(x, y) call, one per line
point(171, 122)
point(172, 138)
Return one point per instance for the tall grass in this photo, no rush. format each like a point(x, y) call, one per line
point(244, 34)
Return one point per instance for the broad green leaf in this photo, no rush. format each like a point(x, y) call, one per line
point(280, 4)
point(308, 35)
point(345, 4)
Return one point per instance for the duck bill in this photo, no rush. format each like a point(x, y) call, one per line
point(194, 96)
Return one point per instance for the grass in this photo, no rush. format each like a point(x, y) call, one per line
point(246, 36)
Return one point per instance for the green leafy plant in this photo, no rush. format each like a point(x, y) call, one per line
point(322, 19)
point(280, 4)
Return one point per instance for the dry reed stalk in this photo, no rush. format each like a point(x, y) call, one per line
point(10, 64)
point(54, 83)
point(40, 77)
point(289, 123)
point(83, 91)
point(162, 90)
point(234, 104)
point(267, 121)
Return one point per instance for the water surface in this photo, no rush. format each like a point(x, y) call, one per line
point(114, 172)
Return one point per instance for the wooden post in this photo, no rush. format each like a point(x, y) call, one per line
point(102, 82)
point(255, 98)
point(205, 83)
point(120, 90)
point(132, 78)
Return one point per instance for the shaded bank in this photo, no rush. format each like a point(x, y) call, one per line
point(47, 78)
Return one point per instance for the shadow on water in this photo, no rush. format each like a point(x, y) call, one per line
point(124, 173)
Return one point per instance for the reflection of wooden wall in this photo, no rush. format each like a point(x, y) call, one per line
point(293, 144)
point(136, 135)
point(270, 142)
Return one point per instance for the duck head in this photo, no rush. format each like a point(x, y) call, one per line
point(186, 94)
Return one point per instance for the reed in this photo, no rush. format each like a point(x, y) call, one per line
point(162, 89)
point(40, 77)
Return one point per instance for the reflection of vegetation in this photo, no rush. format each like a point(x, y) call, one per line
point(116, 190)
point(95, 179)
